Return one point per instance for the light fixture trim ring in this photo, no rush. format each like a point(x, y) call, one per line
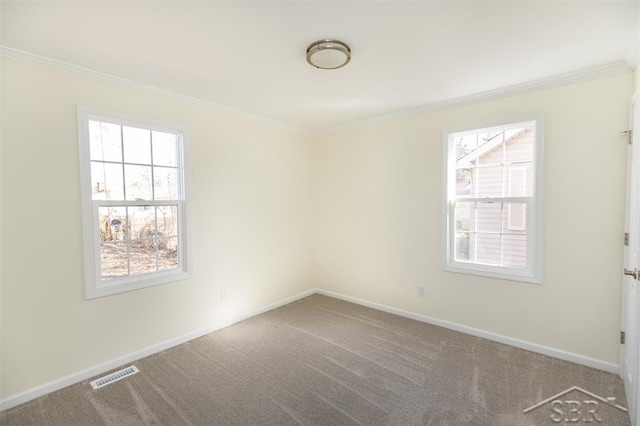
point(332, 45)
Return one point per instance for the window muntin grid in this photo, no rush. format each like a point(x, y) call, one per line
point(491, 201)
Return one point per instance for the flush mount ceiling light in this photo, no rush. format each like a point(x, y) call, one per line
point(328, 54)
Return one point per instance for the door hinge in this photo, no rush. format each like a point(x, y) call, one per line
point(626, 238)
point(632, 273)
point(628, 134)
point(622, 337)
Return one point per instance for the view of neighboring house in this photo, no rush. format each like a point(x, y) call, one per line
point(493, 186)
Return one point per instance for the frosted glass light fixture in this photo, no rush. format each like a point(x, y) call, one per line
point(328, 54)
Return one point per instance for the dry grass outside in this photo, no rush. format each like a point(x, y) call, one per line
point(141, 257)
point(137, 240)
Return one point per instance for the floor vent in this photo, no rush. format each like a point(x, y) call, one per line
point(114, 377)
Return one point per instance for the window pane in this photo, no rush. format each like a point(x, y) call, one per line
point(143, 222)
point(164, 149)
point(461, 248)
point(489, 217)
point(104, 141)
point(113, 260)
point(520, 148)
point(106, 181)
point(515, 251)
point(462, 215)
point(165, 181)
point(138, 182)
point(489, 181)
point(137, 145)
point(167, 221)
point(519, 180)
point(113, 223)
point(167, 253)
point(464, 182)
point(143, 257)
point(491, 139)
point(465, 147)
point(515, 217)
point(488, 249)
point(513, 132)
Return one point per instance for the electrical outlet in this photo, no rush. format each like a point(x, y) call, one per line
point(224, 295)
point(420, 291)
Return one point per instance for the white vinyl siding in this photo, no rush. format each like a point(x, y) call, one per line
point(134, 202)
point(493, 201)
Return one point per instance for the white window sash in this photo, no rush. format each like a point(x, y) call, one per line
point(94, 285)
point(532, 215)
point(529, 202)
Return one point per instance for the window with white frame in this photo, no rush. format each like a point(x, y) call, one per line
point(133, 202)
point(493, 201)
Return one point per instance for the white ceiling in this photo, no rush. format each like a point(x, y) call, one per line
point(250, 56)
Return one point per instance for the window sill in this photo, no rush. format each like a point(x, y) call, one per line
point(489, 272)
point(107, 288)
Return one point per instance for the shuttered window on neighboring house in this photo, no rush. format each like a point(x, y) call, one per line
point(517, 214)
point(493, 201)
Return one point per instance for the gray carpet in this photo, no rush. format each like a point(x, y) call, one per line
point(322, 361)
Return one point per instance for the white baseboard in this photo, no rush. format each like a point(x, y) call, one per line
point(74, 378)
point(63, 382)
point(522, 344)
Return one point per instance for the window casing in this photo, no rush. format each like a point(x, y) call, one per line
point(492, 219)
point(134, 202)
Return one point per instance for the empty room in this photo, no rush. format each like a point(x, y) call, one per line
point(319, 212)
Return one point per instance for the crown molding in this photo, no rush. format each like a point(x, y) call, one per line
point(21, 56)
point(593, 73)
point(602, 71)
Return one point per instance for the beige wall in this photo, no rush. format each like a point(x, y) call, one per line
point(378, 207)
point(636, 80)
point(250, 209)
point(1, 285)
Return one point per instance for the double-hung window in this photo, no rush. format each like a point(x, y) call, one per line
point(493, 201)
point(133, 202)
